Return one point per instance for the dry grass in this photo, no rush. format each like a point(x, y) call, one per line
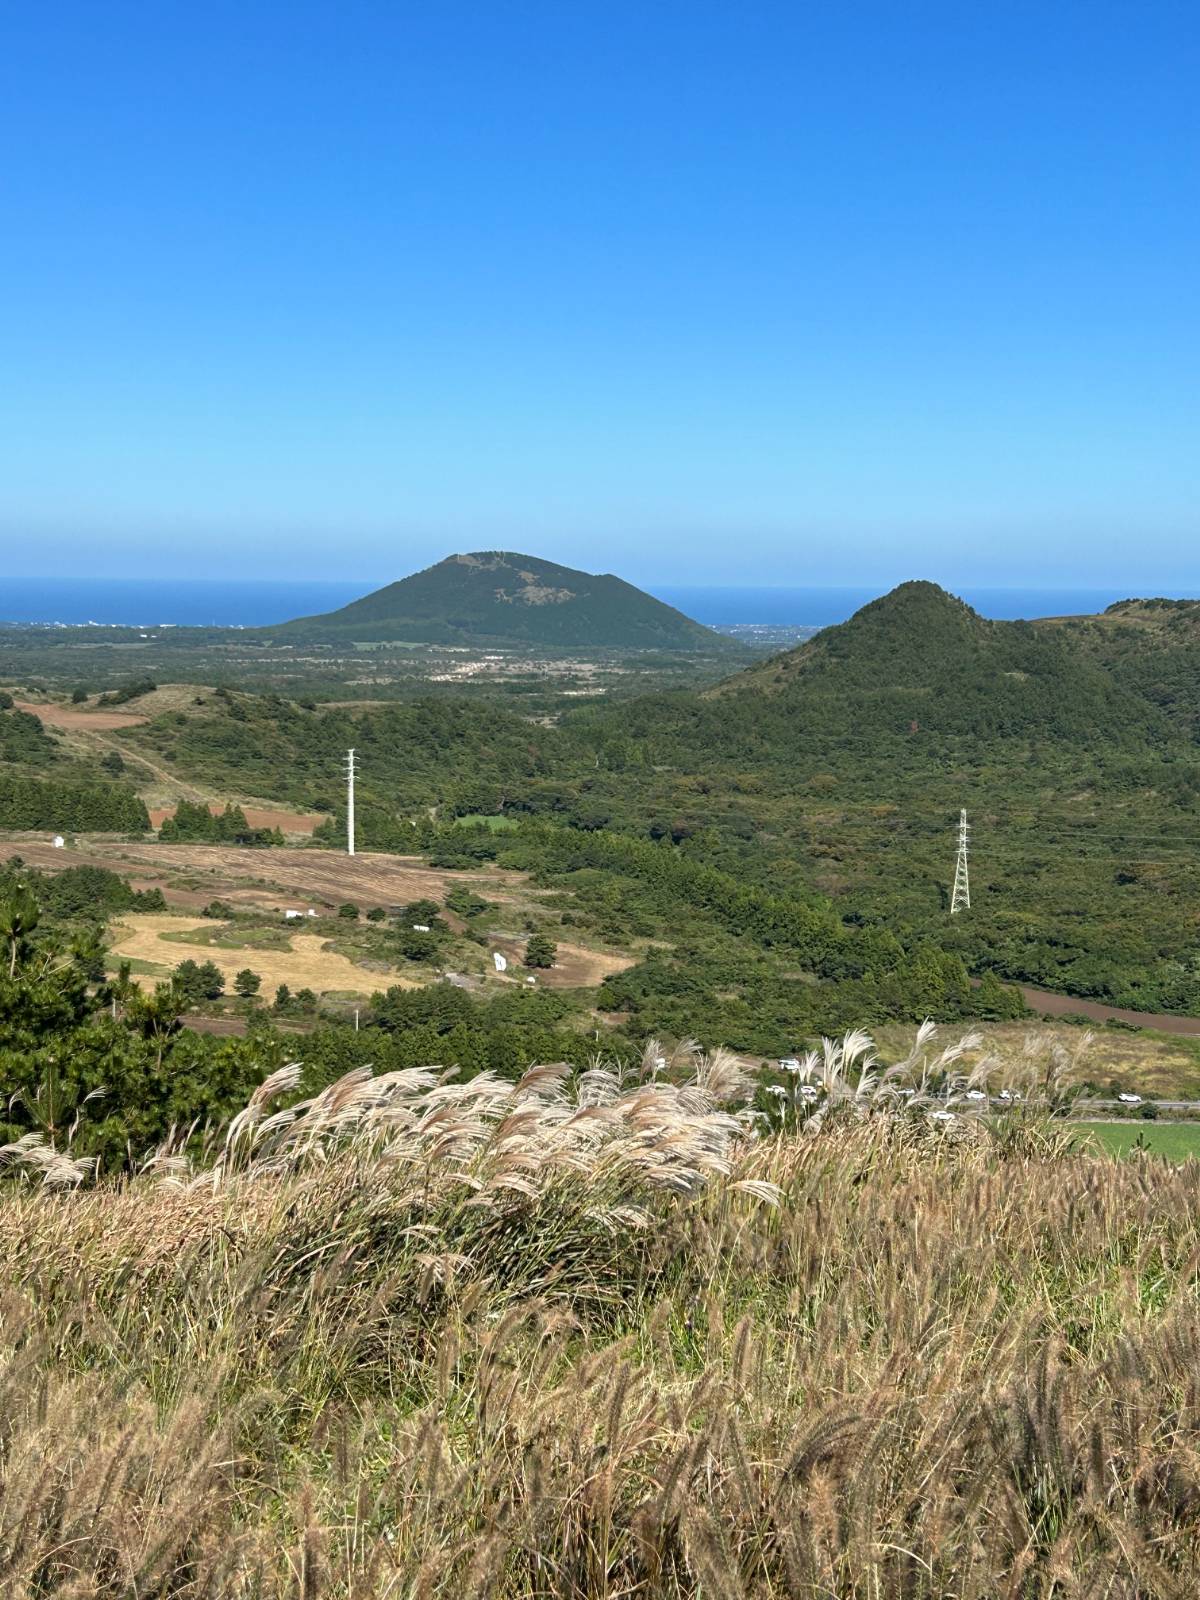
point(584, 1337)
point(1153, 1064)
point(308, 963)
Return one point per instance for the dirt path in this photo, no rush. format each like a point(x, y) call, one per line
point(185, 791)
point(93, 725)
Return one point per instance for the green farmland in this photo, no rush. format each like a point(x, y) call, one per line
point(1175, 1140)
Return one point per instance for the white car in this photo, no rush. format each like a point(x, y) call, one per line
point(789, 1064)
point(975, 1094)
point(1130, 1099)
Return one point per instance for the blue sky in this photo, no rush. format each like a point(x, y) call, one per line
point(788, 293)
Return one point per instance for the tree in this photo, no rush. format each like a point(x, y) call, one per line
point(416, 946)
point(464, 902)
point(78, 695)
point(247, 983)
point(995, 1001)
point(6, 700)
point(540, 951)
point(349, 910)
point(283, 997)
point(194, 981)
point(113, 763)
point(18, 918)
point(377, 914)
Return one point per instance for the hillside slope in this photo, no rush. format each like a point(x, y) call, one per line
point(920, 660)
point(1151, 647)
point(498, 597)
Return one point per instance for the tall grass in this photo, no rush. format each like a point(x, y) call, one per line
point(594, 1336)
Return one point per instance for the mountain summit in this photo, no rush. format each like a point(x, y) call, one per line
point(919, 660)
point(499, 597)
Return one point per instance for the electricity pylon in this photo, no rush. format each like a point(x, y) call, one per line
point(960, 900)
point(351, 769)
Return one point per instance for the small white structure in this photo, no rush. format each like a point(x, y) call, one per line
point(420, 927)
point(58, 841)
point(291, 914)
point(500, 962)
point(530, 980)
point(310, 912)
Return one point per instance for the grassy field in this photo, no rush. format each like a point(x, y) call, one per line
point(496, 824)
point(579, 1337)
point(1175, 1140)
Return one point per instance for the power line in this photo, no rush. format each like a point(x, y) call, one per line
point(960, 900)
point(351, 769)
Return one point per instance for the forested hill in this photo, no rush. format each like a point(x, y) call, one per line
point(1150, 647)
point(497, 597)
point(919, 660)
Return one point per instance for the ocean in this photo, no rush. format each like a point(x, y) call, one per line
point(232, 604)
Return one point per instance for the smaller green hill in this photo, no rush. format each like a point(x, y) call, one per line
point(920, 660)
point(498, 597)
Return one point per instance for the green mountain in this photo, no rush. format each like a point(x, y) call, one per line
point(918, 660)
point(498, 597)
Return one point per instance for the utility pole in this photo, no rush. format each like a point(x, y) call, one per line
point(960, 900)
point(351, 768)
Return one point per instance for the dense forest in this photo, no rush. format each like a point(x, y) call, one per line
point(59, 803)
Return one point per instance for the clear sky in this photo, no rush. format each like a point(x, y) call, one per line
point(807, 293)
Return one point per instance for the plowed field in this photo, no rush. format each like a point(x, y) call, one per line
point(285, 821)
point(272, 879)
point(77, 717)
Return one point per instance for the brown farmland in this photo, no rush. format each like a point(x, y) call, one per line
point(285, 821)
point(272, 879)
point(78, 718)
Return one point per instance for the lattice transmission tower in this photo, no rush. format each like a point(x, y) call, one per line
point(351, 769)
point(960, 900)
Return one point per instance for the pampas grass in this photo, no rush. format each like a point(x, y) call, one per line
point(608, 1334)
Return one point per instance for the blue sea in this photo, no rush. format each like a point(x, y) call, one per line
point(228, 604)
